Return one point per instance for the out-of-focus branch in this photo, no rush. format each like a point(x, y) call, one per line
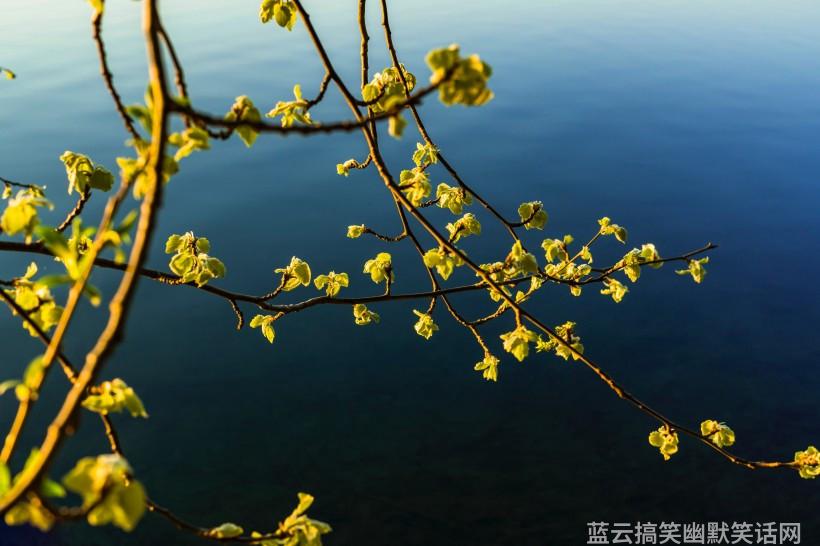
point(118, 307)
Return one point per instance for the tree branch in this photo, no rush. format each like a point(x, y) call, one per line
point(112, 333)
point(332, 127)
point(105, 72)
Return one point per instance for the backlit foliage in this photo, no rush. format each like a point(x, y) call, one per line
point(332, 283)
point(243, 109)
point(108, 490)
point(191, 262)
point(720, 434)
point(104, 489)
point(425, 327)
point(468, 77)
point(386, 91)
point(380, 268)
point(291, 112)
point(808, 462)
point(284, 12)
point(364, 316)
point(666, 440)
point(83, 174)
point(21, 214)
point(114, 396)
point(36, 299)
point(295, 274)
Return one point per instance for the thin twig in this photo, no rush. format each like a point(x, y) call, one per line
point(76, 211)
point(331, 127)
point(108, 78)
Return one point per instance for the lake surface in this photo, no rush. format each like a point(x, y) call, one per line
point(686, 121)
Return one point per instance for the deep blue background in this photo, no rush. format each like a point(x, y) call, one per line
point(686, 121)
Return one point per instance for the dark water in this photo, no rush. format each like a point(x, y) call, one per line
point(687, 122)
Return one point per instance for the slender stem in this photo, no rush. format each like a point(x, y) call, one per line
point(365, 61)
point(179, 73)
point(388, 35)
point(20, 184)
point(76, 211)
point(331, 127)
point(322, 89)
point(105, 72)
point(68, 369)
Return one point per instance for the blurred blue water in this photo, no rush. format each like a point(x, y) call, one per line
point(687, 122)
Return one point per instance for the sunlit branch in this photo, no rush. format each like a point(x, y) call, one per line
point(112, 333)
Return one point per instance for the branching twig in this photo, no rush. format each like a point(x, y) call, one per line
point(331, 127)
point(322, 89)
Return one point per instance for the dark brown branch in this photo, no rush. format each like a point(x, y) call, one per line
point(76, 211)
point(203, 532)
point(276, 291)
point(179, 73)
point(322, 89)
point(386, 238)
point(374, 100)
point(20, 184)
point(615, 268)
point(108, 78)
point(261, 301)
point(365, 163)
point(338, 126)
point(240, 318)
